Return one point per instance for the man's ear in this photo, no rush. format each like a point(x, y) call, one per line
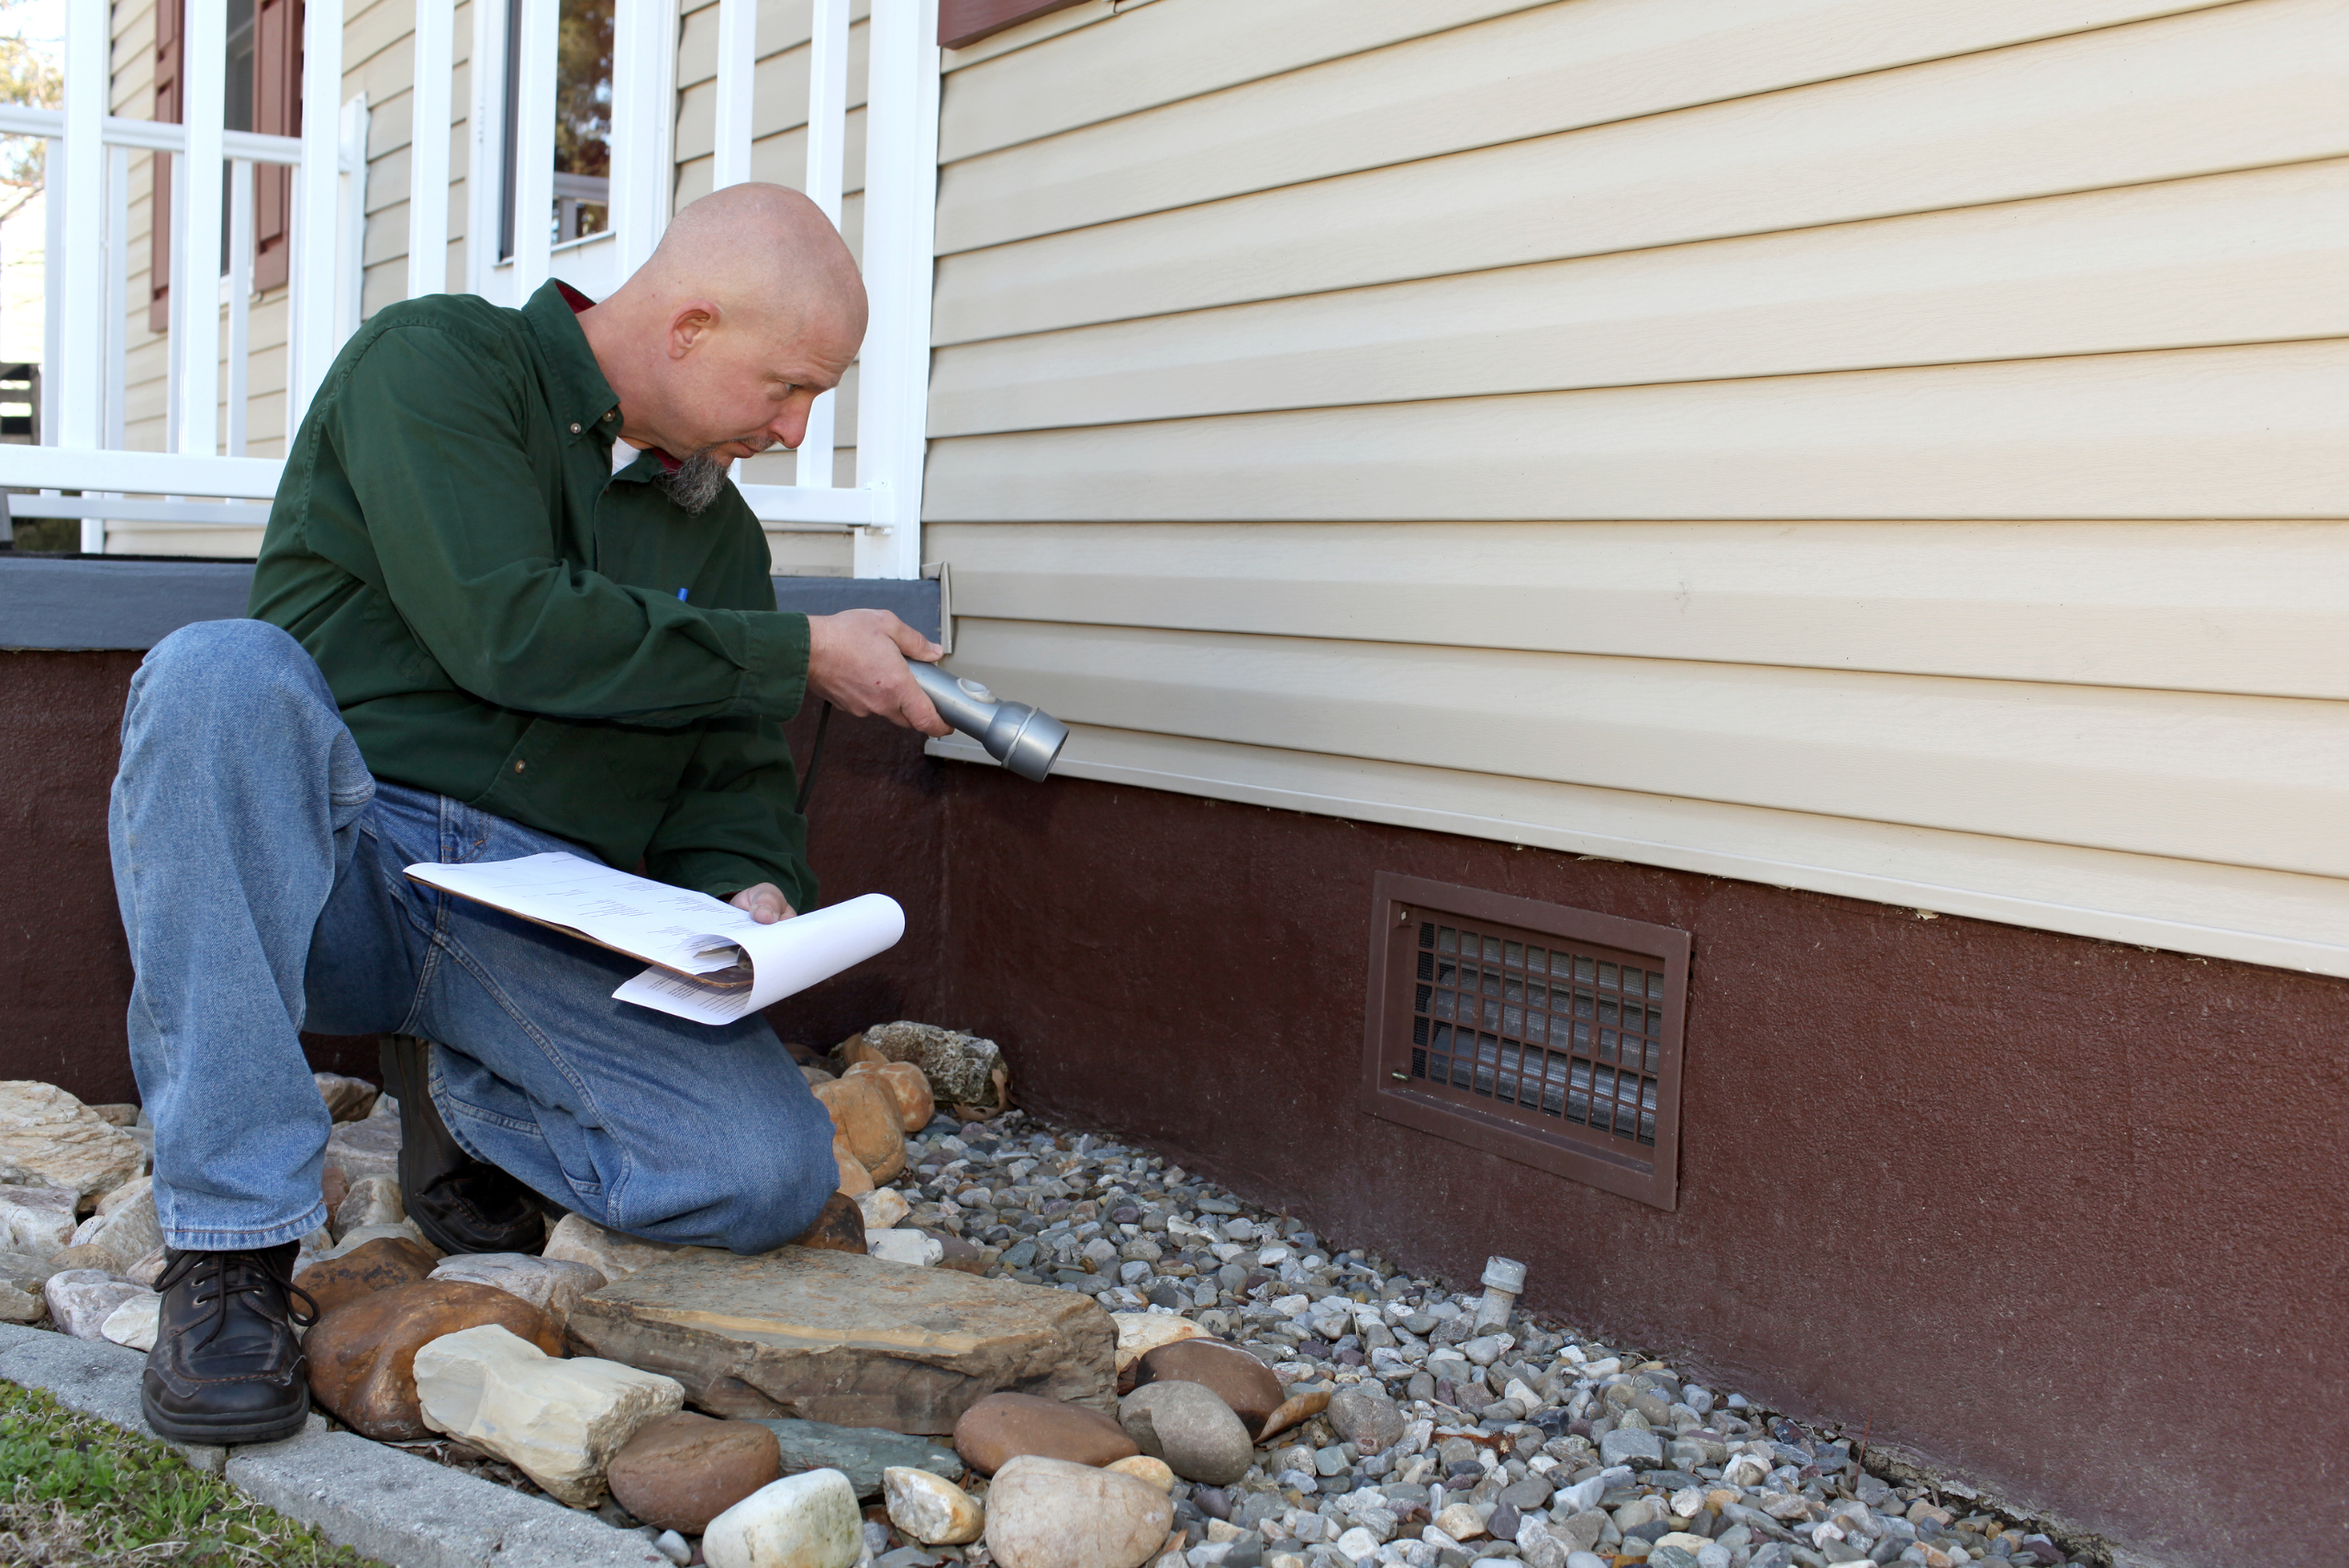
point(689, 327)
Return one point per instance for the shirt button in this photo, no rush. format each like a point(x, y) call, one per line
point(575, 427)
point(612, 415)
point(519, 766)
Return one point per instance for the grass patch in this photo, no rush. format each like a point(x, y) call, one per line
point(76, 1491)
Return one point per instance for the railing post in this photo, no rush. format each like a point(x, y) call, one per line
point(485, 161)
point(738, 59)
point(900, 214)
point(241, 301)
point(827, 148)
point(196, 253)
point(428, 177)
point(315, 212)
point(534, 145)
point(89, 48)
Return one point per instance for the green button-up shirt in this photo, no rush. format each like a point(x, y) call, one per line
point(498, 614)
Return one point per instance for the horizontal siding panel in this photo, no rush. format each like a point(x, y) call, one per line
point(2201, 433)
point(2243, 86)
point(1530, 74)
point(2254, 782)
point(2251, 607)
point(1070, 72)
point(2228, 259)
point(2257, 917)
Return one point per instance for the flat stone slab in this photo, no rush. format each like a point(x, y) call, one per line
point(850, 1340)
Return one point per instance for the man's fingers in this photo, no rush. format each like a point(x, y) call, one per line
point(917, 712)
point(913, 644)
point(765, 903)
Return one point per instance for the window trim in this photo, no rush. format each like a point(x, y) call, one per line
point(964, 22)
point(278, 63)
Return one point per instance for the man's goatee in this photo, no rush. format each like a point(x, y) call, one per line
point(695, 481)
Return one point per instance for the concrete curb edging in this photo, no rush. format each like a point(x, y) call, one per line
point(407, 1511)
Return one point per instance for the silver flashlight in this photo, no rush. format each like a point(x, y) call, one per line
point(1025, 740)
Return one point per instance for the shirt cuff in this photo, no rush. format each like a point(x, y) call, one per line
point(775, 684)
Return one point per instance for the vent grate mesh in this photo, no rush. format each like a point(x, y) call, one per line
point(1547, 1028)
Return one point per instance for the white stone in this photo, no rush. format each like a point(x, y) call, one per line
point(38, 1220)
point(558, 1422)
point(881, 1208)
point(80, 1300)
point(148, 1269)
point(1584, 1559)
point(1048, 1513)
point(1356, 1544)
point(374, 1200)
point(1460, 1521)
point(930, 1508)
point(1745, 1470)
point(1138, 1333)
point(358, 1236)
point(905, 1247)
point(553, 1285)
point(370, 1147)
point(810, 1520)
point(674, 1547)
point(610, 1253)
point(18, 1304)
point(47, 1131)
point(135, 1322)
point(126, 1224)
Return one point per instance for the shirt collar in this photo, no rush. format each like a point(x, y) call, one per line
point(583, 399)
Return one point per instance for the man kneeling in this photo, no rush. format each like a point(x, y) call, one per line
point(508, 603)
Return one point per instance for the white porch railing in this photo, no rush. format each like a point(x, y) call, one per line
point(205, 479)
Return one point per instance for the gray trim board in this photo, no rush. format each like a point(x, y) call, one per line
point(66, 602)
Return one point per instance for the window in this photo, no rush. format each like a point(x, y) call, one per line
point(264, 93)
point(583, 127)
point(1546, 1034)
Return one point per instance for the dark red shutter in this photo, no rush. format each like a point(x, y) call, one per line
point(277, 111)
point(169, 17)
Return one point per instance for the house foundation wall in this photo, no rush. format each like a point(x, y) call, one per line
point(2057, 1216)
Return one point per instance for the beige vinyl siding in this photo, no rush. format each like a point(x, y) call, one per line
point(1892, 449)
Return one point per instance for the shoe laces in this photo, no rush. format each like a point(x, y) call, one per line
point(231, 1274)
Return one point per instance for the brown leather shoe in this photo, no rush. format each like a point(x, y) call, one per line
point(461, 1204)
point(226, 1367)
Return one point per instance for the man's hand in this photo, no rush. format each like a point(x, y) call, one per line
point(765, 903)
point(856, 660)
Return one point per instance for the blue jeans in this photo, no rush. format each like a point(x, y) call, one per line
point(259, 869)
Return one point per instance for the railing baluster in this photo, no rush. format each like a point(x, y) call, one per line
point(534, 146)
point(195, 256)
point(827, 151)
point(116, 354)
point(240, 300)
point(315, 236)
point(738, 51)
point(89, 48)
point(428, 189)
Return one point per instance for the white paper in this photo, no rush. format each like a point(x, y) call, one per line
point(786, 957)
point(677, 928)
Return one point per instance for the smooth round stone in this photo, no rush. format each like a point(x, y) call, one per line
point(1047, 1513)
point(1004, 1427)
point(683, 1471)
point(1189, 1428)
point(1239, 1379)
point(930, 1508)
point(1142, 1467)
point(362, 1354)
point(800, 1521)
point(1366, 1418)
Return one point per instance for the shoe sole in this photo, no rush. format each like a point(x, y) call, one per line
point(223, 1432)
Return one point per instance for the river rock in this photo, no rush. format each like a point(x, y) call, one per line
point(134, 1323)
point(362, 1354)
point(1237, 1378)
point(577, 1240)
point(911, 1247)
point(1047, 1513)
point(558, 1422)
point(80, 1300)
point(125, 1223)
point(360, 1235)
point(372, 1200)
point(1189, 1427)
point(1142, 1467)
point(1002, 1427)
point(38, 1220)
point(48, 1132)
point(367, 1268)
point(18, 1304)
point(348, 1099)
point(1365, 1417)
point(907, 1090)
point(853, 1178)
point(1138, 1333)
point(881, 1208)
point(26, 1270)
point(800, 1521)
point(840, 1229)
point(865, 1114)
point(861, 1453)
point(553, 1285)
point(1636, 1446)
point(931, 1509)
point(85, 1257)
point(370, 1147)
point(682, 1471)
point(838, 1337)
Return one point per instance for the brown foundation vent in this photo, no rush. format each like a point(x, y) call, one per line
point(1544, 1034)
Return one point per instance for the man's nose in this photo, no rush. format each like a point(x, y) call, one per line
point(790, 426)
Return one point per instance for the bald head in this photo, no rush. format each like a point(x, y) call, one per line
point(751, 307)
